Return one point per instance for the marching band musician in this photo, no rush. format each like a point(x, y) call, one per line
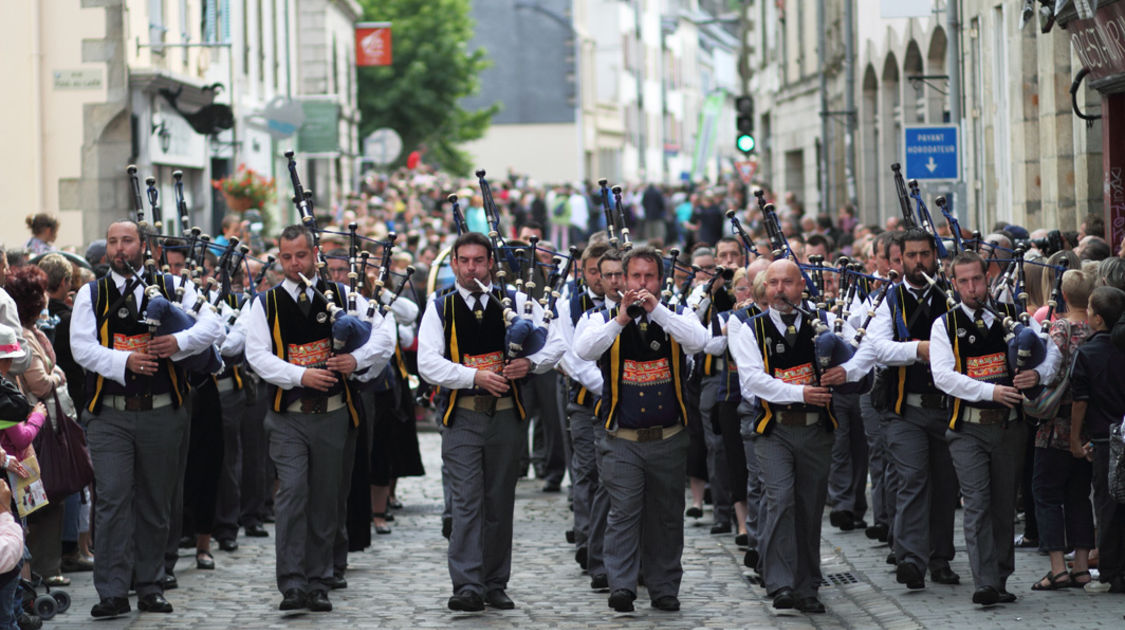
point(776, 362)
point(462, 348)
point(312, 410)
point(137, 420)
point(986, 433)
point(584, 385)
point(643, 359)
point(899, 338)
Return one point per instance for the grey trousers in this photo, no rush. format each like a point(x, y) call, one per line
point(228, 505)
point(880, 466)
point(645, 527)
point(755, 493)
point(176, 516)
point(306, 449)
point(599, 506)
point(540, 398)
point(256, 491)
point(583, 468)
point(794, 463)
point(989, 462)
point(721, 503)
point(481, 460)
point(131, 451)
point(927, 487)
point(347, 464)
point(847, 478)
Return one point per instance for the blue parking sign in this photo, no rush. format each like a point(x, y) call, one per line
point(931, 152)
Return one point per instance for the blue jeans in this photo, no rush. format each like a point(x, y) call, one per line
point(10, 601)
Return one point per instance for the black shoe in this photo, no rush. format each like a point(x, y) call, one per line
point(552, 486)
point(466, 601)
point(707, 496)
point(499, 600)
point(582, 557)
point(669, 603)
point(784, 598)
point(621, 600)
point(570, 536)
point(843, 519)
point(599, 582)
point(111, 607)
point(859, 523)
point(169, 582)
point(751, 558)
point(293, 599)
point(153, 602)
point(742, 540)
point(29, 622)
point(891, 559)
point(721, 528)
point(335, 582)
point(228, 544)
point(945, 575)
point(446, 526)
point(878, 531)
point(1006, 597)
point(257, 531)
point(318, 601)
point(694, 512)
point(909, 574)
point(187, 542)
point(204, 561)
point(810, 605)
point(986, 596)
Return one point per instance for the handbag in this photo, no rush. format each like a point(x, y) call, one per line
point(1046, 405)
point(64, 458)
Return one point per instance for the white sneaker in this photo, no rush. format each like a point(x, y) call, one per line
point(1096, 587)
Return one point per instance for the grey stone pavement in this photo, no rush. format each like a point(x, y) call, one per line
point(402, 582)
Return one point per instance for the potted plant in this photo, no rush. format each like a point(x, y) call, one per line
point(245, 189)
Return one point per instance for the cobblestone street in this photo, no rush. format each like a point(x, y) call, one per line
point(402, 582)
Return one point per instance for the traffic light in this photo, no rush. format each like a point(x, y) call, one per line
point(744, 124)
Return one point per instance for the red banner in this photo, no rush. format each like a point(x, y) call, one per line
point(373, 44)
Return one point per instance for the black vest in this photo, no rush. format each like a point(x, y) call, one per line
point(579, 304)
point(304, 341)
point(643, 385)
point(479, 345)
point(796, 365)
point(122, 329)
point(980, 356)
point(917, 377)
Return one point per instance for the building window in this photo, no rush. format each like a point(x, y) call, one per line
point(156, 28)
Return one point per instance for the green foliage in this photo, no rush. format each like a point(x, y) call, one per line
point(419, 94)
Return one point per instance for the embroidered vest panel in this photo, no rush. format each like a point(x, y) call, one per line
point(643, 375)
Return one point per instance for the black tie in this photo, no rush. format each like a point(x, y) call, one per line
point(790, 321)
point(303, 301)
point(643, 325)
point(978, 319)
point(478, 308)
point(131, 303)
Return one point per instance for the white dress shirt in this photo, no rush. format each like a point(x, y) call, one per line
point(259, 344)
point(110, 363)
point(752, 375)
point(585, 372)
point(962, 386)
point(235, 343)
point(438, 370)
point(594, 336)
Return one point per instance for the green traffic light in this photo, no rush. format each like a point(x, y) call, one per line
point(746, 143)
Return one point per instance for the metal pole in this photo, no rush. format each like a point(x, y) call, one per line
point(953, 63)
point(849, 102)
point(822, 50)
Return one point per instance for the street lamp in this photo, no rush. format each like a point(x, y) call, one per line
point(579, 38)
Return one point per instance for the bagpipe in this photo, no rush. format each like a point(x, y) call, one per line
point(161, 315)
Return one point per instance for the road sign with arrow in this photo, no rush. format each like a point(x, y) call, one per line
point(931, 152)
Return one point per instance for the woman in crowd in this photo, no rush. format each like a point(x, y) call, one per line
point(44, 230)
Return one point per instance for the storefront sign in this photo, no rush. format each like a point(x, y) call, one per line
point(373, 44)
point(1100, 42)
point(83, 79)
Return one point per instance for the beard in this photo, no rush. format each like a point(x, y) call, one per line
point(124, 266)
point(916, 278)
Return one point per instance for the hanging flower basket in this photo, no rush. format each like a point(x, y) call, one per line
point(245, 189)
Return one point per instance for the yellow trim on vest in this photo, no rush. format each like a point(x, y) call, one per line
point(708, 360)
point(614, 376)
point(677, 377)
point(237, 374)
point(454, 355)
point(402, 371)
point(279, 347)
point(901, 396)
point(767, 415)
point(580, 398)
point(103, 338)
point(956, 368)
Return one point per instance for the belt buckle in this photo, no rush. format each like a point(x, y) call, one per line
point(140, 402)
point(314, 405)
point(484, 404)
point(651, 434)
